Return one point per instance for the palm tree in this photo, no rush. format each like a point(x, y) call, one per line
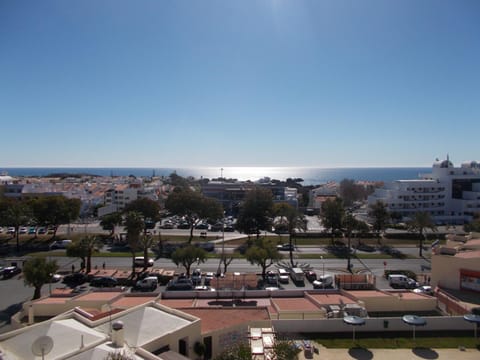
point(145, 243)
point(421, 222)
point(134, 225)
point(350, 225)
point(292, 219)
point(90, 244)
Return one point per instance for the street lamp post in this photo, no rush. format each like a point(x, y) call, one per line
point(323, 273)
point(50, 284)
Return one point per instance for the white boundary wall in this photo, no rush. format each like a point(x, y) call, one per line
point(434, 323)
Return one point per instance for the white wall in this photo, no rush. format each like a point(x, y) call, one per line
point(371, 324)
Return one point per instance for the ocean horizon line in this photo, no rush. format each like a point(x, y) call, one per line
point(218, 167)
point(309, 175)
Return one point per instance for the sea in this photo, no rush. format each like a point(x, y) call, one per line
point(310, 175)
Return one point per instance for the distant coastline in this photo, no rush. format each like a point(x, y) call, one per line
point(311, 176)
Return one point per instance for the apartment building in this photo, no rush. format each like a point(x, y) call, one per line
point(450, 194)
point(117, 197)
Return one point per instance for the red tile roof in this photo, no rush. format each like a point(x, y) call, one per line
point(218, 319)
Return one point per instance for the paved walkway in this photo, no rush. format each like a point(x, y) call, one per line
point(392, 354)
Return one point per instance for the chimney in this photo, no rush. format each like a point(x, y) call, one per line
point(118, 335)
point(31, 315)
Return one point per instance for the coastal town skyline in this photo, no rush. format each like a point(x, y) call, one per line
point(320, 84)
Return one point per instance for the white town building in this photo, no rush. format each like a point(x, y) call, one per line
point(450, 194)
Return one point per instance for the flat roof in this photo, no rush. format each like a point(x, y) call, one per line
point(217, 319)
point(177, 303)
point(332, 299)
point(52, 300)
point(99, 295)
point(368, 293)
point(131, 301)
point(468, 254)
point(146, 324)
point(290, 304)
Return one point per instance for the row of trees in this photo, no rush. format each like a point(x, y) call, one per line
point(43, 211)
point(335, 218)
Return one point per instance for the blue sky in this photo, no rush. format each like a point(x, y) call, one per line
point(239, 83)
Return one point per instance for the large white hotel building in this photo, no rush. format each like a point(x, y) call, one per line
point(450, 194)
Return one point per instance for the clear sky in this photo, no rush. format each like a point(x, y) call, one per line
point(239, 83)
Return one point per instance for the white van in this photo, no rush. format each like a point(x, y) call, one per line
point(283, 276)
point(140, 262)
point(401, 281)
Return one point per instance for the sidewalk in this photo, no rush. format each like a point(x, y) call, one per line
point(391, 354)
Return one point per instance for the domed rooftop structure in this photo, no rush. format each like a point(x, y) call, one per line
point(471, 165)
point(444, 164)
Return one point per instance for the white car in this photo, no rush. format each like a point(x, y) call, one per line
point(283, 276)
point(208, 278)
point(140, 262)
point(425, 289)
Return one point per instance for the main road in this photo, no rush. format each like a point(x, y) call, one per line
point(374, 266)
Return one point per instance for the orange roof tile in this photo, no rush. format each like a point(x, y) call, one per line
point(99, 295)
point(218, 319)
point(177, 303)
point(332, 299)
point(468, 254)
point(367, 293)
point(52, 300)
point(131, 301)
point(288, 304)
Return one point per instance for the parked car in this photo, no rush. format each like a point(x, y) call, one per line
point(180, 284)
point(401, 281)
point(424, 289)
point(216, 227)
point(32, 231)
point(323, 282)
point(271, 278)
point(310, 275)
point(103, 281)
point(22, 230)
point(196, 276)
point(183, 225)
point(148, 283)
point(208, 278)
point(42, 231)
point(203, 288)
point(10, 271)
point(74, 279)
point(56, 278)
point(201, 226)
point(283, 276)
point(229, 228)
point(167, 225)
point(11, 230)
